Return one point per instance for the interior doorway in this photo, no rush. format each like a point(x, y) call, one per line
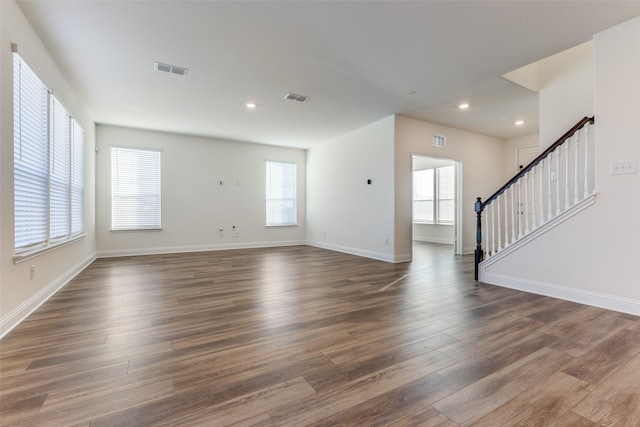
point(436, 193)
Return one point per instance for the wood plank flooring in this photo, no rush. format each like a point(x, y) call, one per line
point(301, 336)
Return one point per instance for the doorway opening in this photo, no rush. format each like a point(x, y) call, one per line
point(436, 218)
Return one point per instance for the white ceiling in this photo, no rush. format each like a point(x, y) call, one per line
point(357, 60)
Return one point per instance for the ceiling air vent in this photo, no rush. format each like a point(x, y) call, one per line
point(296, 97)
point(180, 71)
point(439, 141)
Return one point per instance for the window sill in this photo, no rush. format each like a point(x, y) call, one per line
point(128, 230)
point(23, 256)
point(281, 225)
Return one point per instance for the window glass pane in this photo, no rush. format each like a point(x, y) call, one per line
point(281, 192)
point(135, 189)
point(30, 157)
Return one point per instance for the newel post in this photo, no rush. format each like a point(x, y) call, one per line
point(478, 209)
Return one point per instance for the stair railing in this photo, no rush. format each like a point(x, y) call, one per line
point(560, 177)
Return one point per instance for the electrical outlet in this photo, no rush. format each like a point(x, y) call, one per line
point(554, 176)
point(33, 272)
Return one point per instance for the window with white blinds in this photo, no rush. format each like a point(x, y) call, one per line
point(47, 159)
point(135, 189)
point(434, 195)
point(281, 194)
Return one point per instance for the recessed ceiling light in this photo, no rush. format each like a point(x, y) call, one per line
point(250, 105)
point(463, 106)
point(518, 122)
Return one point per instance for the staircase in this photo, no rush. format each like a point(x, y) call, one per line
point(554, 186)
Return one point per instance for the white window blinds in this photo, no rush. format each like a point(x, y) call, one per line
point(77, 180)
point(31, 157)
point(135, 189)
point(59, 171)
point(281, 194)
point(446, 194)
point(48, 165)
point(423, 195)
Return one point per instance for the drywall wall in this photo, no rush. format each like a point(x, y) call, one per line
point(566, 91)
point(481, 160)
point(207, 184)
point(593, 258)
point(344, 212)
point(19, 293)
point(510, 153)
point(435, 233)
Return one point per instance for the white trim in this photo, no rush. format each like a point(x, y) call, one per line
point(609, 302)
point(361, 252)
point(196, 248)
point(18, 314)
point(435, 240)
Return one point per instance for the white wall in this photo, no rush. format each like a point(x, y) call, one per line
point(566, 91)
point(478, 155)
point(194, 203)
point(19, 294)
point(435, 233)
point(593, 258)
point(510, 153)
point(345, 213)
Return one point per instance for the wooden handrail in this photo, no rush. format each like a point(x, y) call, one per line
point(538, 159)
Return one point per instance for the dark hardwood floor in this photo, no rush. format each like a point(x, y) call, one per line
point(302, 336)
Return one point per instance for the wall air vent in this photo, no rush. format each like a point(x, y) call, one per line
point(296, 97)
point(180, 71)
point(439, 141)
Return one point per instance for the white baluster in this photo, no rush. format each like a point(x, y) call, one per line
point(514, 221)
point(486, 240)
point(519, 208)
point(499, 224)
point(533, 198)
point(549, 186)
point(566, 175)
point(540, 188)
point(506, 220)
point(586, 162)
point(493, 229)
point(558, 180)
point(576, 149)
point(526, 203)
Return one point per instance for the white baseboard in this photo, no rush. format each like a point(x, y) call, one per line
point(435, 240)
point(18, 314)
point(361, 252)
point(195, 248)
point(609, 302)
